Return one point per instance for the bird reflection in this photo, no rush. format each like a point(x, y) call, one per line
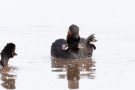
point(8, 79)
point(75, 69)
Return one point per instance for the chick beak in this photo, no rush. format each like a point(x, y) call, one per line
point(94, 40)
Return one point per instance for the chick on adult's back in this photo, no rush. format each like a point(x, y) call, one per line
point(62, 48)
point(73, 47)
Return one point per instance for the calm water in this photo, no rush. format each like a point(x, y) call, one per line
point(33, 25)
point(110, 68)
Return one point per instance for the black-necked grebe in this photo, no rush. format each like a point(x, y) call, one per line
point(73, 47)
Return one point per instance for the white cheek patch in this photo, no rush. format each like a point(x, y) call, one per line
point(91, 42)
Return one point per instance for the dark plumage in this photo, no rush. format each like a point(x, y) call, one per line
point(7, 53)
point(85, 52)
point(73, 38)
point(58, 52)
point(88, 47)
point(73, 47)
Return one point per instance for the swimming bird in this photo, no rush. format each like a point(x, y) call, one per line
point(87, 46)
point(7, 53)
point(73, 47)
point(73, 38)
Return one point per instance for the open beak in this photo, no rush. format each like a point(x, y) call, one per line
point(64, 46)
point(94, 40)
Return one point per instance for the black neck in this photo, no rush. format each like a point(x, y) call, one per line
point(4, 60)
point(73, 41)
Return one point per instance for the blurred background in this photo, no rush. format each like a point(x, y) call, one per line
point(100, 15)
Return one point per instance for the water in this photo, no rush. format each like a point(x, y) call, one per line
point(33, 26)
point(111, 67)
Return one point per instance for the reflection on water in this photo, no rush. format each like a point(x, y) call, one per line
point(8, 80)
point(75, 70)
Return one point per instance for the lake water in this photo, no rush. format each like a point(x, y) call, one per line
point(111, 67)
point(34, 25)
